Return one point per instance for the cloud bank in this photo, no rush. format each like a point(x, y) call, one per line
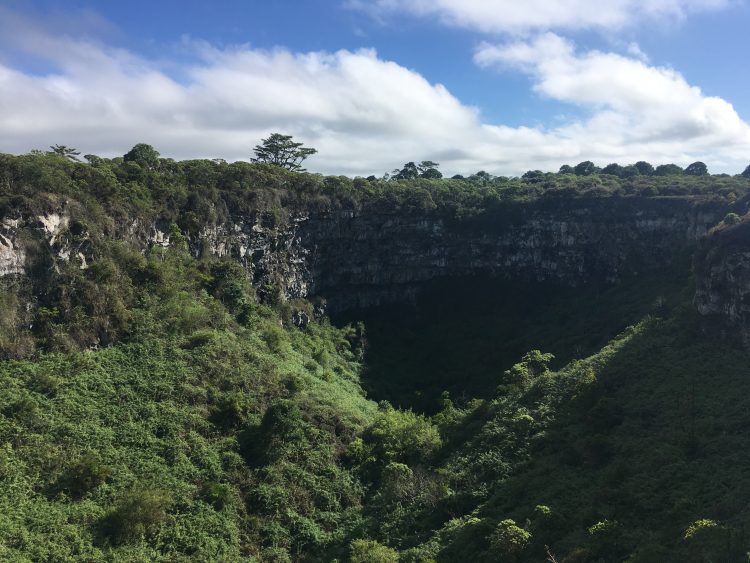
point(525, 15)
point(363, 114)
point(635, 108)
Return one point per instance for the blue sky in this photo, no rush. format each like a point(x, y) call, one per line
point(476, 84)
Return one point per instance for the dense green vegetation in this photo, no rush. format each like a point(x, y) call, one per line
point(197, 191)
point(414, 355)
point(153, 409)
point(213, 432)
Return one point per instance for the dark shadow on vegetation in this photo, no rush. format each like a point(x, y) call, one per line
point(462, 334)
point(647, 448)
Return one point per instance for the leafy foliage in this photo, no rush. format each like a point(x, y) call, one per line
point(66, 152)
point(144, 155)
point(154, 409)
point(696, 169)
point(280, 150)
point(364, 551)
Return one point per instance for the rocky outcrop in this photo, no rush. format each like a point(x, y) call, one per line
point(366, 257)
point(722, 297)
point(12, 254)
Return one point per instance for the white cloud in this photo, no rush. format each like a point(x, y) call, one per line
point(523, 15)
point(633, 105)
point(635, 50)
point(364, 114)
point(361, 112)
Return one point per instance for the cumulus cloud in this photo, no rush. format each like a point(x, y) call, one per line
point(364, 114)
point(633, 105)
point(361, 112)
point(515, 15)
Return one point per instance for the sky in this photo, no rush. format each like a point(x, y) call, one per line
point(503, 86)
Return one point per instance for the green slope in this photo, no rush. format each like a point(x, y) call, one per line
point(207, 427)
point(611, 458)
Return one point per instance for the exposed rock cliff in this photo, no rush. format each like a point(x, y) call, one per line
point(12, 255)
point(365, 257)
point(722, 267)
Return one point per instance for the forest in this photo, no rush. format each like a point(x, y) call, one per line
point(157, 405)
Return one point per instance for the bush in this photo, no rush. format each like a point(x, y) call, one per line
point(230, 411)
point(84, 476)
point(138, 513)
point(216, 494)
point(508, 540)
point(705, 540)
point(368, 551)
point(403, 436)
point(731, 219)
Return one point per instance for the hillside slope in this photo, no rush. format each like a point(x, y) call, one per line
point(160, 401)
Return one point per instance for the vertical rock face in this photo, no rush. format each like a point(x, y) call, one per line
point(363, 258)
point(271, 252)
point(367, 257)
point(722, 297)
point(12, 255)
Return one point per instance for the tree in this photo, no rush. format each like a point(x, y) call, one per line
point(668, 170)
point(93, 159)
point(533, 176)
point(645, 168)
point(144, 155)
point(613, 169)
point(705, 540)
point(509, 540)
point(566, 169)
point(369, 551)
point(429, 169)
point(408, 172)
point(606, 537)
point(281, 150)
point(746, 173)
point(696, 169)
point(732, 219)
point(585, 168)
point(67, 152)
point(402, 436)
point(533, 364)
point(481, 177)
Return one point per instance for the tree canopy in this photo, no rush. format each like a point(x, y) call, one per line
point(585, 168)
point(668, 170)
point(645, 168)
point(697, 169)
point(410, 171)
point(68, 152)
point(281, 150)
point(143, 154)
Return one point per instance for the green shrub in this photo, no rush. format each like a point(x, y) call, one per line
point(84, 475)
point(509, 540)
point(368, 551)
point(218, 495)
point(403, 436)
point(138, 513)
point(230, 411)
point(731, 219)
point(706, 540)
